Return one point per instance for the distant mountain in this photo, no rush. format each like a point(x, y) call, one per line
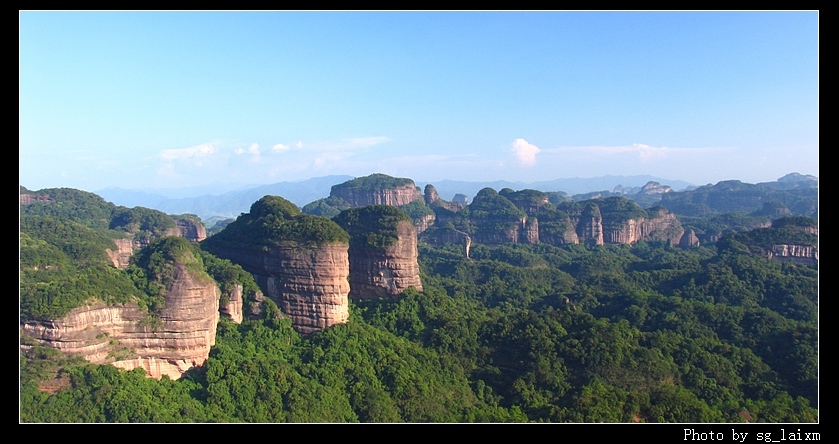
point(448, 188)
point(227, 204)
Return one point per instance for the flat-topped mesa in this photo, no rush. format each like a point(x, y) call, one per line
point(496, 220)
point(377, 189)
point(300, 261)
point(167, 341)
point(383, 251)
point(190, 228)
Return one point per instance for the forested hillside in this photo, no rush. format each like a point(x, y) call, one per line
point(648, 332)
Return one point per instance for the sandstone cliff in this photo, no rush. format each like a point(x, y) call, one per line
point(377, 189)
point(233, 306)
point(299, 261)
point(178, 338)
point(190, 229)
point(804, 254)
point(310, 285)
point(383, 251)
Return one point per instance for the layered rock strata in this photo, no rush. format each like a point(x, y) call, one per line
point(804, 254)
point(233, 307)
point(191, 230)
point(178, 338)
point(309, 284)
point(397, 196)
point(377, 273)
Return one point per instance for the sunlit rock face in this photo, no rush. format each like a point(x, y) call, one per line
point(383, 251)
point(178, 339)
point(309, 284)
point(803, 254)
point(401, 195)
point(377, 273)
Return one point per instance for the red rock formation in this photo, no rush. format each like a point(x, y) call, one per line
point(124, 335)
point(529, 233)
point(805, 254)
point(401, 195)
point(309, 284)
point(233, 308)
point(423, 223)
point(122, 255)
point(388, 272)
point(689, 239)
point(192, 230)
point(590, 226)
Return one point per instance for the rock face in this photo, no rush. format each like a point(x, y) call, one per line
point(192, 230)
point(386, 195)
point(126, 337)
point(233, 308)
point(663, 226)
point(590, 225)
point(423, 223)
point(122, 255)
point(804, 254)
point(689, 239)
point(440, 236)
point(299, 261)
point(529, 233)
point(383, 251)
point(310, 285)
point(386, 273)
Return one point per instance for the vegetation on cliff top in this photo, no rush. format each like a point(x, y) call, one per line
point(373, 182)
point(274, 221)
point(373, 226)
point(152, 269)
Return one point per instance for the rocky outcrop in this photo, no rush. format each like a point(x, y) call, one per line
point(393, 196)
point(377, 273)
point(178, 338)
point(191, 230)
point(661, 225)
point(299, 261)
point(423, 223)
point(590, 225)
point(529, 233)
point(804, 254)
point(121, 256)
point(437, 237)
point(232, 306)
point(382, 253)
point(655, 188)
point(309, 284)
point(689, 239)
point(433, 200)
point(559, 232)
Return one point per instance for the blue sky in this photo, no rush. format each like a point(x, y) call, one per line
point(175, 99)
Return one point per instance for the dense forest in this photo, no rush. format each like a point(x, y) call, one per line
point(648, 332)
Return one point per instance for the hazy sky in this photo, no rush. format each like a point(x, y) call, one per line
point(170, 99)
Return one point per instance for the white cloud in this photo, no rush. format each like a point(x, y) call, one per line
point(278, 148)
point(643, 152)
point(299, 144)
point(253, 150)
point(194, 152)
point(525, 152)
point(358, 142)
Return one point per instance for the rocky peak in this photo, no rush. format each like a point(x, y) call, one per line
point(377, 189)
point(299, 261)
point(383, 251)
point(655, 188)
